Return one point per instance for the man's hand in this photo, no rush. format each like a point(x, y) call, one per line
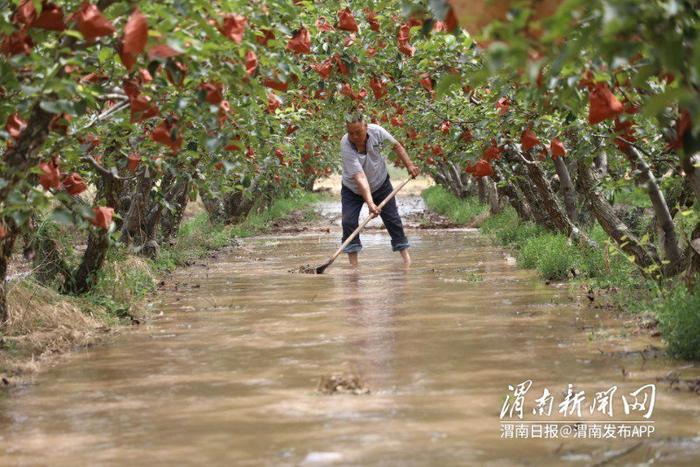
point(373, 209)
point(413, 170)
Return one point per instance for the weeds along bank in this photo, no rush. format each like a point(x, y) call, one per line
point(45, 320)
point(597, 267)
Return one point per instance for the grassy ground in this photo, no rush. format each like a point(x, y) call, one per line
point(44, 323)
point(461, 211)
point(604, 271)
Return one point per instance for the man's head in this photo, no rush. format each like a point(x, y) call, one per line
point(357, 127)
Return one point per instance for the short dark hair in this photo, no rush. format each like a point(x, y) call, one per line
point(354, 116)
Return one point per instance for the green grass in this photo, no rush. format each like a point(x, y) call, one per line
point(459, 211)
point(678, 312)
point(257, 222)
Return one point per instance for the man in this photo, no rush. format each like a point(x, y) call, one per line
point(366, 180)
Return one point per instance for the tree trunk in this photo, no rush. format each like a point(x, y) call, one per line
point(133, 230)
point(7, 242)
point(533, 200)
point(612, 224)
point(518, 203)
point(601, 163)
point(482, 189)
point(664, 221)
point(457, 180)
point(492, 194)
point(568, 192)
point(171, 220)
point(85, 277)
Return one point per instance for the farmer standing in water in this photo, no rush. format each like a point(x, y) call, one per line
point(366, 180)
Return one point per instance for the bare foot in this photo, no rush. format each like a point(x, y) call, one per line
point(353, 259)
point(406, 258)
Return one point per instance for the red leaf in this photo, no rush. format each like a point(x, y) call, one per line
point(51, 18)
point(145, 75)
point(300, 42)
point(25, 13)
point(251, 62)
point(403, 38)
point(15, 125)
point(349, 39)
point(17, 43)
point(437, 150)
point(291, 129)
point(466, 135)
point(133, 161)
point(503, 105)
point(267, 36)
point(412, 134)
point(378, 87)
point(445, 127)
point(324, 25)
point(683, 124)
point(346, 21)
point(135, 33)
point(529, 140)
point(426, 83)
point(128, 60)
point(233, 27)
point(91, 23)
point(342, 67)
point(346, 90)
point(162, 51)
point(50, 176)
point(324, 68)
point(73, 184)
point(176, 73)
point(166, 133)
point(439, 26)
point(372, 19)
point(59, 123)
point(232, 147)
point(274, 84)
point(273, 102)
point(451, 20)
point(131, 88)
point(414, 21)
point(603, 104)
point(557, 148)
point(214, 92)
point(102, 216)
point(482, 169)
point(3, 229)
point(493, 152)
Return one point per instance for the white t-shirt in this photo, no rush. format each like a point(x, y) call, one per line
point(373, 163)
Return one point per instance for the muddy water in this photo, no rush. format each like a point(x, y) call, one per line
point(227, 375)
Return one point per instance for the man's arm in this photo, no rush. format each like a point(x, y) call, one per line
point(365, 192)
point(403, 155)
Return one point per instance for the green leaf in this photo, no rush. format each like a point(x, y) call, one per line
point(446, 83)
point(656, 104)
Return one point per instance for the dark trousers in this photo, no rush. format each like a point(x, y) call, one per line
point(351, 206)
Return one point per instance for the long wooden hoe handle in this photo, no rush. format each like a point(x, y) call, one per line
point(369, 218)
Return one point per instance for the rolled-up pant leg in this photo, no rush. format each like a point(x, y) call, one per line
point(390, 216)
point(351, 205)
